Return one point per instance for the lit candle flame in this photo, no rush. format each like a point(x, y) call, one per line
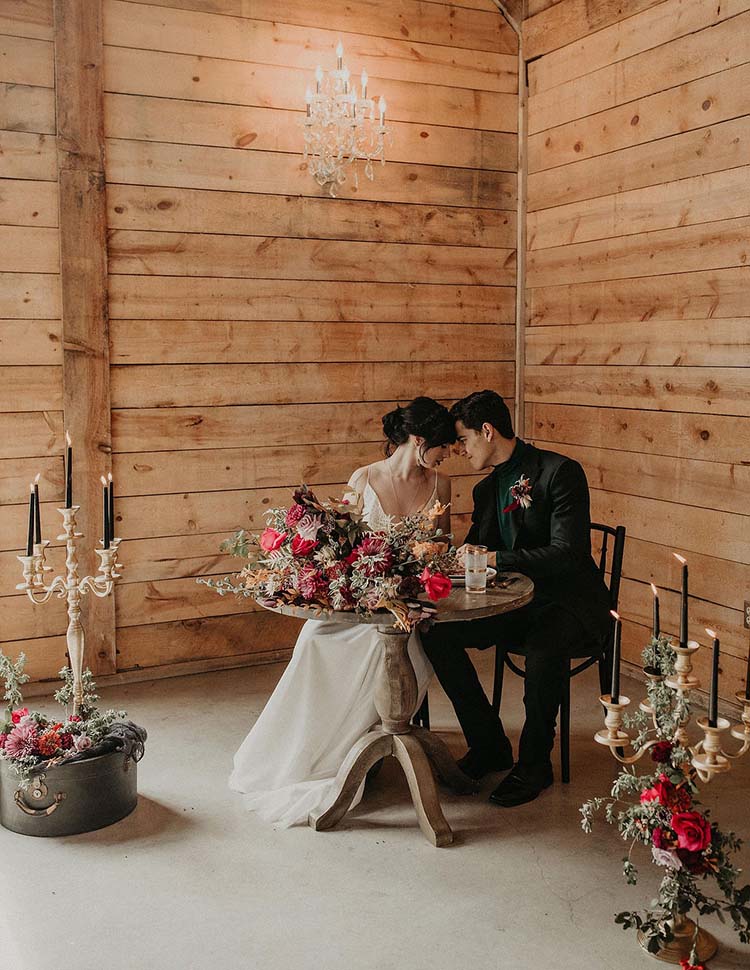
point(31, 487)
point(679, 558)
point(67, 439)
point(654, 590)
point(103, 480)
point(615, 614)
point(38, 476)
point(711, 633)
point(109, 476)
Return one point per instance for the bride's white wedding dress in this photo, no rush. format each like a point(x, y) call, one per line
point(322, 705)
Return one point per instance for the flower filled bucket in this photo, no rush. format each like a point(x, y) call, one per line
point(67, 799)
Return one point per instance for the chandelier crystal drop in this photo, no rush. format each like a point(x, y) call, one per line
point(342, 127)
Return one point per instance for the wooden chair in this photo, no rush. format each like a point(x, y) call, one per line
point(614, 554)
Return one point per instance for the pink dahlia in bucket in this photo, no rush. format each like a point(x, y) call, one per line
point(21, 741)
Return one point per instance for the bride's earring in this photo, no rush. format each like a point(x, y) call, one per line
point(421, 452)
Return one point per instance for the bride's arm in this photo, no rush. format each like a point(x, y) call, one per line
point(444, 497)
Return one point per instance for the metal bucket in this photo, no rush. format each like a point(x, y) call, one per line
point(69, 799)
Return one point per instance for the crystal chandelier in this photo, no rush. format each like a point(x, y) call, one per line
point(341, 127)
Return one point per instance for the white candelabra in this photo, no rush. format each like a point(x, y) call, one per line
point(708, 756)
point(341, 127)
point(71, 587)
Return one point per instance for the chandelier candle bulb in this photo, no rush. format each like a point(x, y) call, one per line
point(318, 78)
point(364, 84)
point(615, 690)
point(30, 533)
point(37, 512)
point(381, 108)
point(683, 601)
point(657, 625)
point(713, 696)
point(68, 472)
point(339, 56)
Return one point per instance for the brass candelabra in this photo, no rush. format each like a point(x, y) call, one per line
point(70, 586)
point(708, 756)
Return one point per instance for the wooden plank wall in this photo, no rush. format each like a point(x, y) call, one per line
point(31, 385)
point(259, 329)
point(638, 339)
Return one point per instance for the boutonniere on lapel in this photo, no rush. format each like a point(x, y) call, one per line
point(520, 492)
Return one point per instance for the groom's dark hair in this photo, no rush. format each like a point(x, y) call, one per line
point(484, 407)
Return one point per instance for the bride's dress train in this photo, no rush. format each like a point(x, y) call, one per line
point(286, 766)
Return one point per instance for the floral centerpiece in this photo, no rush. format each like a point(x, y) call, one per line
point(31, 741)
point(662, 811)
point(322, 555)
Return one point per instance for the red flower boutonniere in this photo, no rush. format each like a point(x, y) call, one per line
point(521, 494)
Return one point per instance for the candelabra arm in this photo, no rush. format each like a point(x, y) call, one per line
point(636, 756)
point(96, 585)
point(41, 594)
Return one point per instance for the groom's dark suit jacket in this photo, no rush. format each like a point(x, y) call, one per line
point(551, 541)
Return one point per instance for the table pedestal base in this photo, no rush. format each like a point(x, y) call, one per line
point(417, 751)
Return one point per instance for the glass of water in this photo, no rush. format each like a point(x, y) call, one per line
point(475, 563)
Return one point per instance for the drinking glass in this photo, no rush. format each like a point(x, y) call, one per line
point(475, 563)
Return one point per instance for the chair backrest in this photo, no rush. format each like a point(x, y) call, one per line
point(616, 550)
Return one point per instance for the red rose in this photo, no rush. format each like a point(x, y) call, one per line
point(687, 965)
point(436, 585)
point(271, 540)
point(692, 829)
point(294, 514)
point(661, 752)
point(667, 794)
point(301, 547)
point(18, 714)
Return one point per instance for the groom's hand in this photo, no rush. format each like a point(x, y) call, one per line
point(461, 556)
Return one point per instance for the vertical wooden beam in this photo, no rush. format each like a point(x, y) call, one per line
point(83, 269)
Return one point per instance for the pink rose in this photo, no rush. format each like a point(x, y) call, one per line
point(301, 547)
point(18, 714)
point(436, 585)
point(271, 540)
point(309, 526)
point(693, 831)
point(82, 742)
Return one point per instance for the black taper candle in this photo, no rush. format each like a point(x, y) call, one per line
point(657, 625)
point(111, 507)
point(105, 513)
point(68, 472)
point(30, 533)
point(683, 602)
point(713, 696)
point(615, 691)
point(37, 513)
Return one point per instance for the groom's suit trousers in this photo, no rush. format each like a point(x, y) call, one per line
point(547, 635)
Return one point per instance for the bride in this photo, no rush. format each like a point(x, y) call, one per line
point(324, 702)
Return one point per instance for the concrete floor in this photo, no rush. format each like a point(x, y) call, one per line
point(191, 881)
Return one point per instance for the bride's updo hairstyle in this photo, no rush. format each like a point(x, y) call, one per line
point(424, 418)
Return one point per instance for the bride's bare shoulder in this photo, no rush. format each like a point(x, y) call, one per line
point(443, 487)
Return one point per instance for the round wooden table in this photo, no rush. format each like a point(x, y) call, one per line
point(416, 749)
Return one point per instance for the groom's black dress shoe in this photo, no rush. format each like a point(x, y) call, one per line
point(476, 764)
point(521, 785)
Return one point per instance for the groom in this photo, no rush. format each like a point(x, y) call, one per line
point(546, 537)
